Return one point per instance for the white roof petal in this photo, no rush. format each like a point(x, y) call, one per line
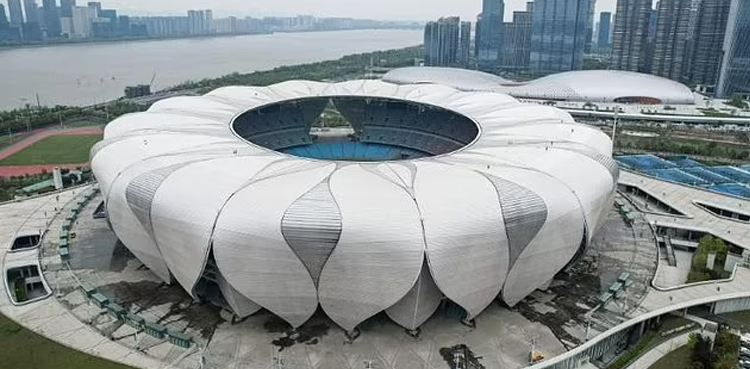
point(496, 186)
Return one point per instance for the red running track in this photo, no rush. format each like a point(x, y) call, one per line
point(8, 171)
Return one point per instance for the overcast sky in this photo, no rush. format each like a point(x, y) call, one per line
point(373, 9)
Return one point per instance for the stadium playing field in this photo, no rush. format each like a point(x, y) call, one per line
point(54, 150)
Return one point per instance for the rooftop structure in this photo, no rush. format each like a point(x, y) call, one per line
point(489, 205)
point(621, 87)
point(728, 180)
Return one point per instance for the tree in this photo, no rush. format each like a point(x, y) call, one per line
point(701, 350)
point(737, 102)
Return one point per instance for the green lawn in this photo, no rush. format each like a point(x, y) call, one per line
point(20, 348)
point(679, 358)
point(55, 150)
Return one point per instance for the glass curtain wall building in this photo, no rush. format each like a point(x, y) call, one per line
point(630, 37)
point(490, 35)
point(734, 77)
point(558, 36)
point(605, 28)
point(441, 42)
point(709, 37)
point(672, 35)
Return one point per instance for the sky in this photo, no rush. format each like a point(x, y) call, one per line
point(418, 10)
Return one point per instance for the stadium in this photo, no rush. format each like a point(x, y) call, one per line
point(622, 87)
point(433, 194)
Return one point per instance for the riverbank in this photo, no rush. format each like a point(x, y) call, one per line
point(69, 42)
point(87, 74)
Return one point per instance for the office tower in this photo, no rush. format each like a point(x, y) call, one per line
point(690, 40)
point(31, 9)
point(558, 34)
point(670, 45)
point(590, 28)
point(94, 7)
point(517, 45)
point(490, 34)
point(208, 24)
point(196, 22)
point(477, 36)
point(630, 37)
point(105, 25)
point(16, 12)
point(734, 75)
point(4, 23)
point(123, 26)
point(464, 48)
point(441, 41)
point(605, 25)
point(708, 40)
point(431, 37)
point(82, 21)
point(66, 8)
point(51, 18)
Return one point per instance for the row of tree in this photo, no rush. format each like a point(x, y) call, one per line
point(671, 145)
point(725, 353)
point(334, 70)
point(34, 117)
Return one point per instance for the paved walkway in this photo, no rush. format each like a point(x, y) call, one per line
point(656, 300)
point(48, 317)
point(683, 198)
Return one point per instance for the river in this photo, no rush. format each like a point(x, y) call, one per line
point(85, 74)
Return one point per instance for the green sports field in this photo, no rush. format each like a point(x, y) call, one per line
point(55, 150)
point(20, 348)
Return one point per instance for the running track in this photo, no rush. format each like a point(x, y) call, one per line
point(7, 171)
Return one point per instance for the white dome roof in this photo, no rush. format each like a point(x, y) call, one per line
point(501, 215)
point(603, 86)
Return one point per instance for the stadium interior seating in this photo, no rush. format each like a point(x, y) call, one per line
point(384, 129)
point(728, 180)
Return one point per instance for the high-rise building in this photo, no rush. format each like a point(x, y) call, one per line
point(31, 9)
point(464, 47)
point(82, 17)
point(559, 34)
point(589, 45)
point(605, 28)
point(690, 40)
point(490, 35)
point(7, 32)
point(441, 40)
point(708, 39)
point(734, 75)
point(517, 45)
point(630, 37)
point(123, 26)
point(51, 18)
point(66, 8)
point(197, 22)
point(16, 12)
point(4, 23)
point(670, 45)
point(95, 8)
point(208, 24)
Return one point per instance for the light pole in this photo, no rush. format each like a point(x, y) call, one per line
point(614, 127)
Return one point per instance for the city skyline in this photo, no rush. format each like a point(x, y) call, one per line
point(417, 10)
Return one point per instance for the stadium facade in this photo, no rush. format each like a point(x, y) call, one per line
point(595, 86)
point(437, 194)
